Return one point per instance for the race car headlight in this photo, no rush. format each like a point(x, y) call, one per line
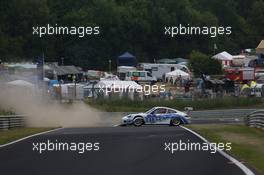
point(126, 117)
point(187, 117)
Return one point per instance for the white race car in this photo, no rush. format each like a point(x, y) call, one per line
point(157, 115)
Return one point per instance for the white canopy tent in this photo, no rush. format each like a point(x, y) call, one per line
point(224, 57)
point(177, 74)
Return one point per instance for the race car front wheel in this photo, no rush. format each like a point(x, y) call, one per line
point(138, 121)
point(175, 122)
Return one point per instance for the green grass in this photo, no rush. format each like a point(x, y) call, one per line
point(6, 112)
point(127, 105)
point(247, 143)
point(18, 133)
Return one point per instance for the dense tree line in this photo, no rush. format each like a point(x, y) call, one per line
point(125, 25)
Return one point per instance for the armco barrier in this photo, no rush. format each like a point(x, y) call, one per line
point(11, 121)
point(224, 113)
point(255, 119)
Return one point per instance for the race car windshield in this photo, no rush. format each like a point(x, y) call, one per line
point(149, 111)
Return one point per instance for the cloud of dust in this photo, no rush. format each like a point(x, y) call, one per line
point(40, 111)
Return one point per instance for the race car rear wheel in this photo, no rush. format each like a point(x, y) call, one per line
point(138, 121)
point(175, 122)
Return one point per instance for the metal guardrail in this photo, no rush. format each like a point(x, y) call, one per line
point(11, 121)
point(224, 113)
point(255, 119)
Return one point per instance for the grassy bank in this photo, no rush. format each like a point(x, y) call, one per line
point(127, 105)
point(247, 143)
point(6, 112)
point(18, 133)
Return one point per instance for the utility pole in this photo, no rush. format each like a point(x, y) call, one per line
point(43, 69)
point(62, 61)
point(215, 48)
point(110, 61)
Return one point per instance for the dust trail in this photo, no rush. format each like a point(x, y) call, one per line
point(41, 111)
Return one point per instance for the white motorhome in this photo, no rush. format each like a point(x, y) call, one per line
point(159, 70)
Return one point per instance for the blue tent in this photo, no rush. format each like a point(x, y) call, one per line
point(126, 59)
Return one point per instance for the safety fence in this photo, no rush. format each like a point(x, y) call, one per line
point(11, 121)
point(255, 119)
point(224, 113)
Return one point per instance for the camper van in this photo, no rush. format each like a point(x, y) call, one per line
point(159, 70)
point(141, 77)
point(122, 70)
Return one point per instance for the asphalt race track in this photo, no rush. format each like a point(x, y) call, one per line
point(123, 150)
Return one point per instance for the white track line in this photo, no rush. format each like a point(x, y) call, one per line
point(27, 137)
point(246, 170)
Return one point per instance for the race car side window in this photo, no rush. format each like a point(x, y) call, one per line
point(171, 111)
point(159, 111)
point(155, 111)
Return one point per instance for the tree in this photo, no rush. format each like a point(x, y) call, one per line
point(201, 63)
point(136, 26)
